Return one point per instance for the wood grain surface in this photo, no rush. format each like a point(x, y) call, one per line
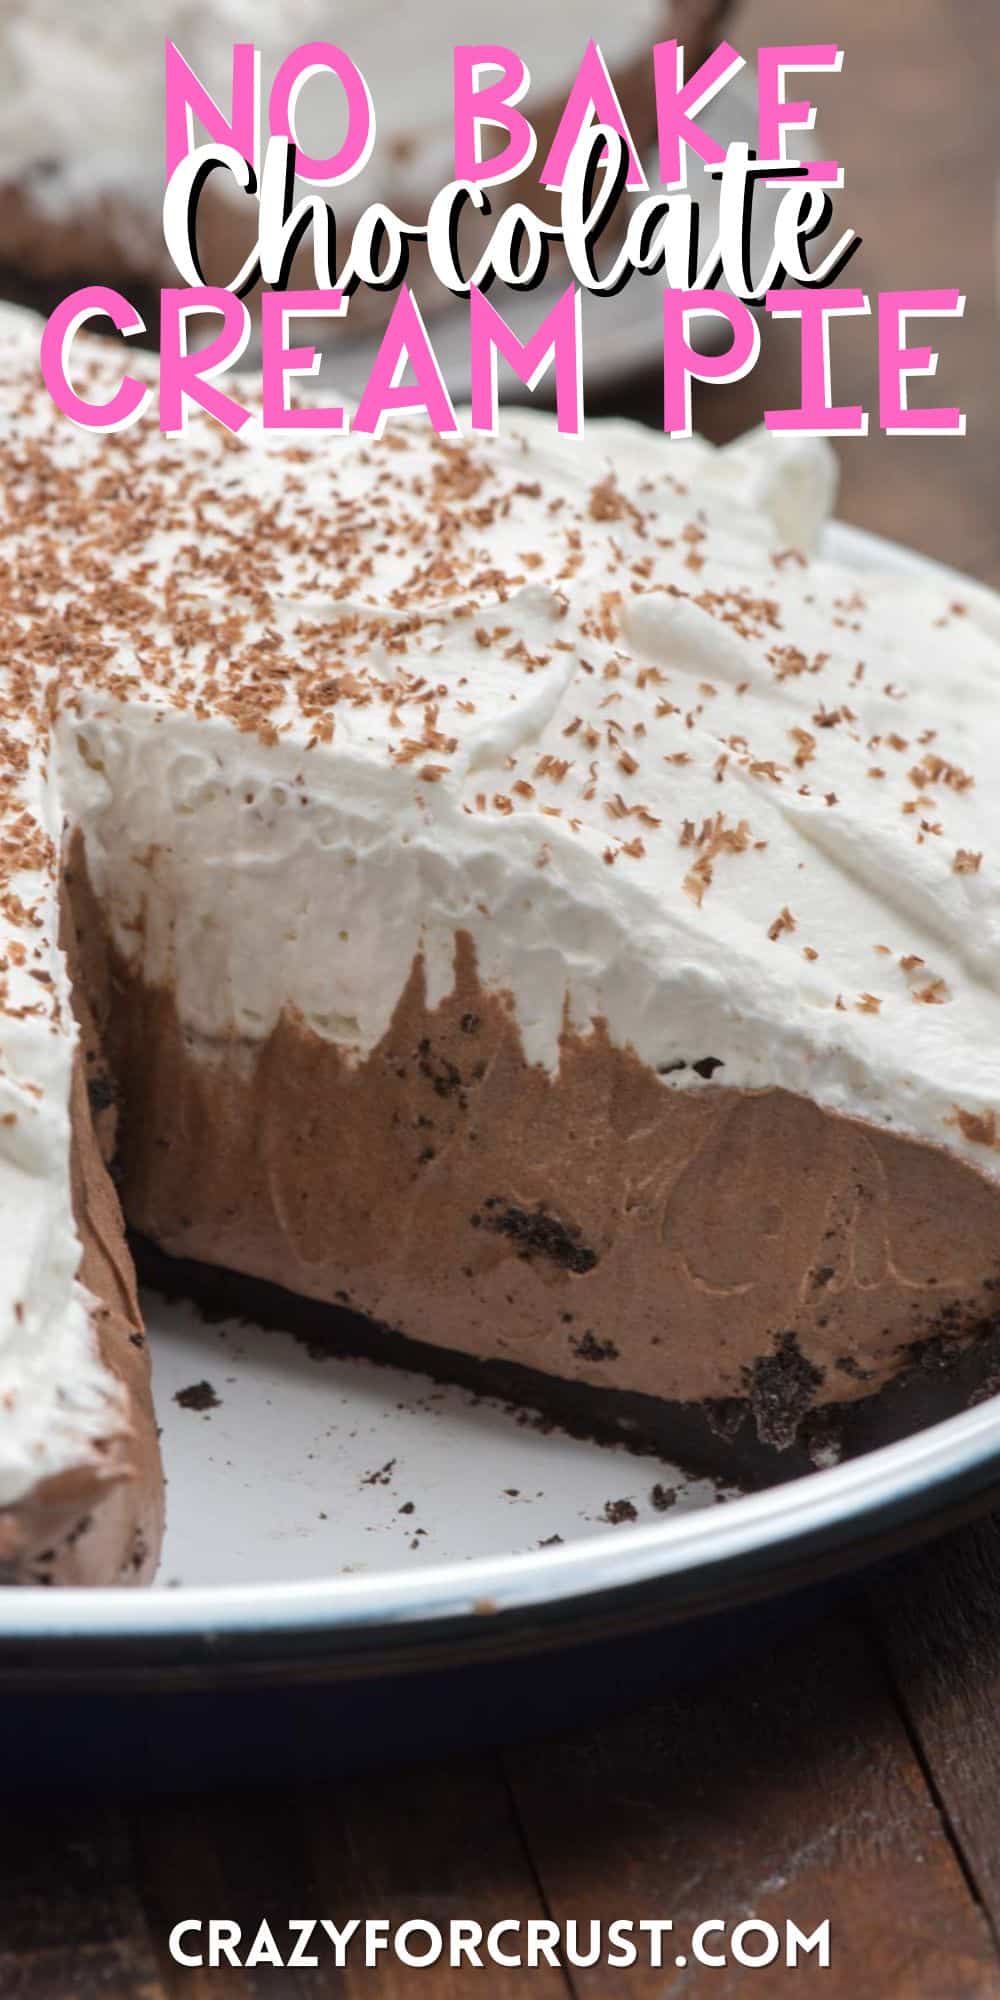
point(913, 121)
point(853, 1772)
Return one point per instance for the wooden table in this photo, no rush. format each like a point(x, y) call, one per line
point(854, 1772)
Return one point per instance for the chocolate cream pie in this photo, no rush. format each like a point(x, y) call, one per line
point(507, 889)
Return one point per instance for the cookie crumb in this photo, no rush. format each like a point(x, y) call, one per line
point(198, 1396)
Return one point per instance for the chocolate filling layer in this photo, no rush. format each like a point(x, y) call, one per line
point(715, 1271)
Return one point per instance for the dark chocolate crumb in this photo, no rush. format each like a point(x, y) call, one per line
point(724, 1415)
point(617, 1511)
point(589, 1348)
point(707, 1065)
point(445, 1077)
point(848, 1366)
point(198, 1396)
point(781, 1387)
point(382, 1474)
point(538, 1234)
point(100, 1092)
point(663, 1497)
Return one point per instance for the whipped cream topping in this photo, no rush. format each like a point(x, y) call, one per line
point(318, 706)
point(83, 110)
point(57, 1400)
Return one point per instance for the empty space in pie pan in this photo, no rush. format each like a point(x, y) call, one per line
point(329, 1517)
